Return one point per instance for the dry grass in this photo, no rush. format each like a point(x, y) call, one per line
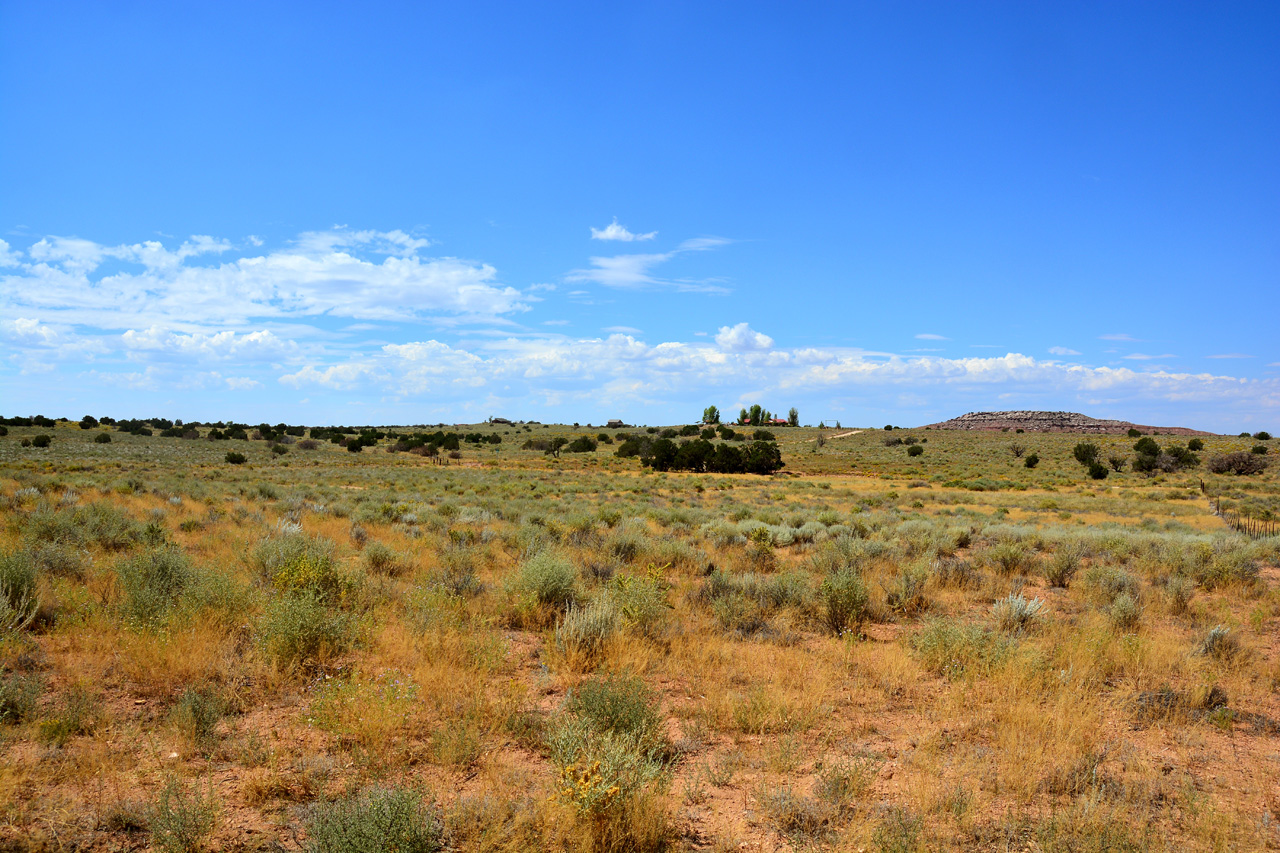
point(438, 651)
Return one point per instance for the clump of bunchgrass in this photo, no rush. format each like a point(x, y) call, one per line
point(584, 633)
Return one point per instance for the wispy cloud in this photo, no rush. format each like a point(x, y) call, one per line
point(623, 330)
point(614, 231)
point(1230, 355)
point(1119, 337)
point(1141, 356)
point(929, 336)
point(1063, 351)
point(635, 271)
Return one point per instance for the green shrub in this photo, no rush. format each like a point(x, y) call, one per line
point(845, 602)
point(77, 713)
point(152, 582)
point(606, 777)
point(197, 713)
point(1097, 471)
point(1258, 450)
point(622, 705)
point(548, 579)
point(381, 560)
point(641, 601)
point(1146, 446)
point(376, 820)
point(1195, 444)
point(19, 695)
point(1014, 614)
point(905, 594)
point(1262, 435)
point(915, 450)
point(1125, 612)
point(180, 821)
point(18, 598)
point(1008, 558)
point(102, 438)
point(1063, 566)
point(947, 648)
point(297, 628)
point(235, 458)
point(584, 632)
point(1180, 590)
point(41, 441)
point(1239, 462)
point(1086, 453)
point(1105, 583)
point(1220, 644)
point(1032, 460)
point(295, 562)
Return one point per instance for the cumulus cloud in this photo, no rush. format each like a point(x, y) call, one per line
point(620, 369)
point(8, 257)
point(366, 275)
point(254, 346)
point(742, 338)
point(1063, 351)
point(614, 231)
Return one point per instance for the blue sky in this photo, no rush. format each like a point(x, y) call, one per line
point(403, 213)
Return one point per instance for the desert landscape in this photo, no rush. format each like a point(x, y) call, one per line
point(906, 639)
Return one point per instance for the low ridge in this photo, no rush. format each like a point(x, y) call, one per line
point(1054, 422)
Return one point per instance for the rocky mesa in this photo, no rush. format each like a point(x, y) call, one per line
point(1054, 422)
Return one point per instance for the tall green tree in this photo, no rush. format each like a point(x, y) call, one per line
point(711, 415)
point(793, 417)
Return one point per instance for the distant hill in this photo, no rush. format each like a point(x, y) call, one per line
point(1054, 422)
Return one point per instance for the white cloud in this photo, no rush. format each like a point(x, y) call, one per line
point(1230, 355)
point(927, 336)
point(636, 271)
point(614, 231)
point(254, 346)
point(620, 370)
point(1118, 337)
point(8, 257)
point(555, 322)
point(1141, 356)
point(1063, 351)
point(623, 330)
point(742, 338)
point(318, 276)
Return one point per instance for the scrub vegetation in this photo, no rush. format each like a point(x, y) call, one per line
point(511, 637)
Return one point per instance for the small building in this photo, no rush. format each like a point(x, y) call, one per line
point(615, 424)
point(499, 421)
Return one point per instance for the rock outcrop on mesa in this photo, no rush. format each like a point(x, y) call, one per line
point(1054, 422)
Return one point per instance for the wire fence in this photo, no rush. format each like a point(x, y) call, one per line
point(1256, 528)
